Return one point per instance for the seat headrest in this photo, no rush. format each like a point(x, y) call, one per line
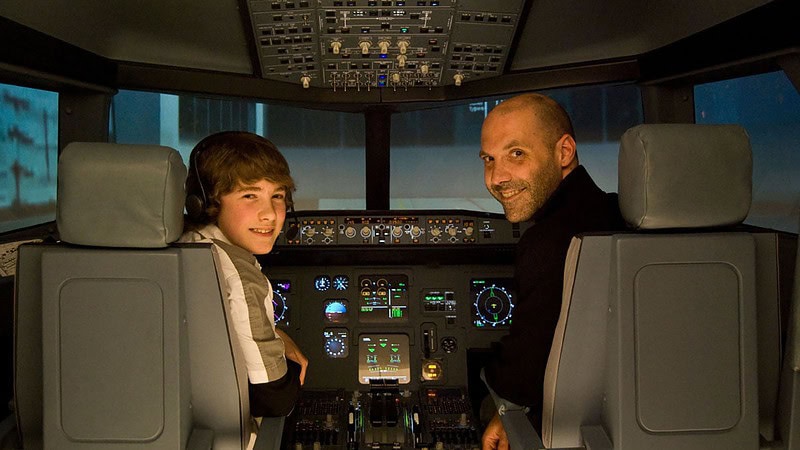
point(684, 176)
point(115, 195)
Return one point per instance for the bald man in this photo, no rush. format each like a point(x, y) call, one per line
point(531, 167)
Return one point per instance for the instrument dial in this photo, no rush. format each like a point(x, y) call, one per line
point(493, 306)
point(322, 283)
point(341, 282)
point(336, 342)
point(449, 344)
point(334, 347)
point(279, 306)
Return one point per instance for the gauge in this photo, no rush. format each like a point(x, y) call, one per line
point(336, 310)
point(322, 283)
point(335, 342)
point(449, 344)
point(334, 347)
point(279, 306)
point(341, 282)
point(493, 306)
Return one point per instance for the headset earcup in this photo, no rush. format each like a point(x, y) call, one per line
point(195, 206)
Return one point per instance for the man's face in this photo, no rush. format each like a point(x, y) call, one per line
point(252, 216)
point(519, 170)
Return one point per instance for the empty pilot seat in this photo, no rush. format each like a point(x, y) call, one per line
point(121, 336)
point(656, 345)
point(789, 397)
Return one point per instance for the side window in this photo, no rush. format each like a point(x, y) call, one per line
point(768, 107)
point(28, 156)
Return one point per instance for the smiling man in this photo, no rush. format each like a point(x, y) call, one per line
point(531, 167)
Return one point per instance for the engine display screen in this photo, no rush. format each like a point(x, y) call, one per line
point(383, 298)
point(383, 357)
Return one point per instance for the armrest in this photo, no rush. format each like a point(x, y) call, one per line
point(521, 433)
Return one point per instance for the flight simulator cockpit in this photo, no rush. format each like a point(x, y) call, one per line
point(396, 313)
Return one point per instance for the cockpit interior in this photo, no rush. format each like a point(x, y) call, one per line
point(395, 270)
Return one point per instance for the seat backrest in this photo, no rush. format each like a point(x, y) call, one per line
point(789, 398)
point(121, 338)
point(657, 338)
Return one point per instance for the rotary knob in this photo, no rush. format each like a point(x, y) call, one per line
point(384, 46)
point(366, 232)
point(350, 232)
point(403, 45)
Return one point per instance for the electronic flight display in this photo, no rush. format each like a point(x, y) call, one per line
point(383, 357)
point(335, 310)
point(281, 290)
point(383, 298)
point(492, 302)
point(336, 341)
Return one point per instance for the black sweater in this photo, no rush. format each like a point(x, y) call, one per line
point(516, 372)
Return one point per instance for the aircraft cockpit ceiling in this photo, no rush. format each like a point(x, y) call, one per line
point(383, 51)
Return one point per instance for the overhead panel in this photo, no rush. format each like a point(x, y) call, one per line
point(395, 44)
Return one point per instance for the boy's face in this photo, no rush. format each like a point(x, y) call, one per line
point(252, 216)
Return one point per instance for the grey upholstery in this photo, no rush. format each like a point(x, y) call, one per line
point(117, 195)
point(789, 398)
point(664, 337)
point(122, 341)
point(684, 175)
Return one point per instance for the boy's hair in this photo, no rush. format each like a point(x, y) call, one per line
point(222, 161)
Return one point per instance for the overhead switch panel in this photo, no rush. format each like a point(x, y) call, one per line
point(395, 44)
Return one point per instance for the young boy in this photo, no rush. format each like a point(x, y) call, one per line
point(238, 190)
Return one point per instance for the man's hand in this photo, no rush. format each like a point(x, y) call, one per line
point(494, 437)
point(293, 353)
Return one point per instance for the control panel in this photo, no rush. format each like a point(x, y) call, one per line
point(396, 313)
point(383, 416)
point(396, 44)
point(456, 228)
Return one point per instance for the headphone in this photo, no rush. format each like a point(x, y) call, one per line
point(196, 204)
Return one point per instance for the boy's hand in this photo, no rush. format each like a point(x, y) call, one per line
point(293, 353)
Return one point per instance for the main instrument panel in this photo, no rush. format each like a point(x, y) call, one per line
point(396, 318)
point(365, 44)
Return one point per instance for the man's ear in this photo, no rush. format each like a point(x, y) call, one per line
point(567, 151)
